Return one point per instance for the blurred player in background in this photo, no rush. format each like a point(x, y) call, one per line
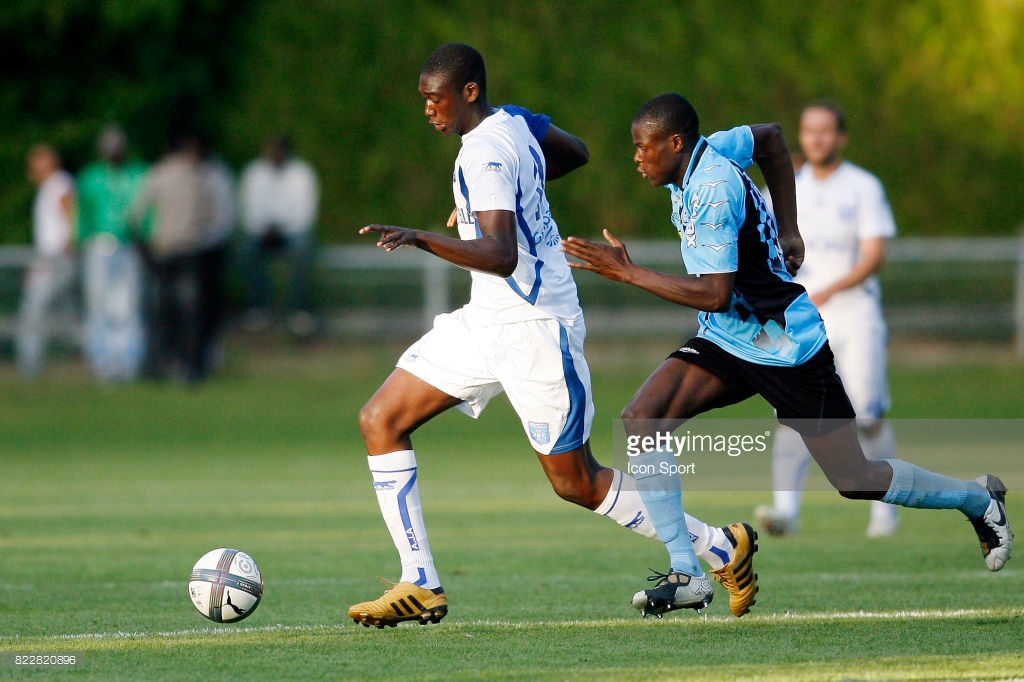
point(759, 333)
point(115, 331)
point(49, 280)
point(845, 221)
point(522, 333)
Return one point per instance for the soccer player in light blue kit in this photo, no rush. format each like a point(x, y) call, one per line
point(522, 332)
point(759, 333)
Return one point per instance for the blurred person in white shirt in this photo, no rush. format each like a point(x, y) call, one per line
point(845, 221)
point(48, 286)
point(278, 200)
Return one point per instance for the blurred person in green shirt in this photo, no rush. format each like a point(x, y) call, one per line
point(113, 270)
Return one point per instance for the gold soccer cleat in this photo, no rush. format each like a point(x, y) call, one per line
point(737, 576)
point(401, 602)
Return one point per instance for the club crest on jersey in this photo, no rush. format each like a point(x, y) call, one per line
point(539, 432)
point(684, 223)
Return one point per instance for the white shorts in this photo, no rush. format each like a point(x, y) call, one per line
point(538, 363)
point(859, 338)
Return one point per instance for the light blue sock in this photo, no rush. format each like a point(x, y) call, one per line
point(913, 486)
point(663, 498)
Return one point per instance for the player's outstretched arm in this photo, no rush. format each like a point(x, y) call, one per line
point(563, 152)
point(495, 252)
point(772, 156)
point(711, 293)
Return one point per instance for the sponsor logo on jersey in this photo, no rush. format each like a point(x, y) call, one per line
point(414, 544)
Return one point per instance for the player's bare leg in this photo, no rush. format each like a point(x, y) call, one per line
point(677, 390)
point(577, 477)
point(387, 421)
point(982, 501)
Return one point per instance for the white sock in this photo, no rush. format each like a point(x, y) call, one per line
point(624, 506)
point(790, 458)
point(394, 481)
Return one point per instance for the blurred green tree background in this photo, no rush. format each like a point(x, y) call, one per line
point(934, 91)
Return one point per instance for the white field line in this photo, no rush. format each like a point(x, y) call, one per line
point(228, 630)
point(803, 578)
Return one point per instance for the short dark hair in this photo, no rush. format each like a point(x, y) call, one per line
point(670, 114)
point(834, 109)
point(458, 64)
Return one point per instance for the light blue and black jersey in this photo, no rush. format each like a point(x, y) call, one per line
point(725, 226)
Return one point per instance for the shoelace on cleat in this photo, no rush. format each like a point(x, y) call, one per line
point(658, 576)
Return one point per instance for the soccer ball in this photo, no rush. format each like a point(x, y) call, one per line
point(225, 585)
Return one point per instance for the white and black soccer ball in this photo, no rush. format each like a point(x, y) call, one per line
point(225, 585)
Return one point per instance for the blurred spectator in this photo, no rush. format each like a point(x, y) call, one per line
point(845, 221)
point(279, 198)
point(177, 200)
point(115, 342)
point(220, 184)
point(48, 286)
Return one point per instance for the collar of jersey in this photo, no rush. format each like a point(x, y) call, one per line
point(698, 152)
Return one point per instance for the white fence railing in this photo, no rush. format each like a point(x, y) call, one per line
point(608, 314)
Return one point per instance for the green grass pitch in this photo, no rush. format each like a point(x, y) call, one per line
point(108, 496)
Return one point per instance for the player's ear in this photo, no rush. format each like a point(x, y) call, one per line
point(677, 142)
point(471, 91)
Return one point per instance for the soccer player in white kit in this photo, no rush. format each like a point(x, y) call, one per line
point(845, 221)
point(522, 332)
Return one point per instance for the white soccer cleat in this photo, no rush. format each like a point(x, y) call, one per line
point(885, 520)
point(993, 528)
point(773, 522)
point(674, 590)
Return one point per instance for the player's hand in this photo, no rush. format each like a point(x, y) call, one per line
point(793, 252)
point(391, 237)
point(820, 298)
point(609, 260)
point(453, 219)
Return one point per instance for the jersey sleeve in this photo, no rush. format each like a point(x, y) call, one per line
point(876, 219)
point(736, 144)
point(537, 123)
point(489, 172)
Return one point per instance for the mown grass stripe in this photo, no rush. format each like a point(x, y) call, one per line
point(716, 620)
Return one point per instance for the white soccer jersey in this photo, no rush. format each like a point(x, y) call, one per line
point(834, 215)
point(501, 167)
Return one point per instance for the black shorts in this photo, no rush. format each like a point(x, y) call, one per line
point(809, 398)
